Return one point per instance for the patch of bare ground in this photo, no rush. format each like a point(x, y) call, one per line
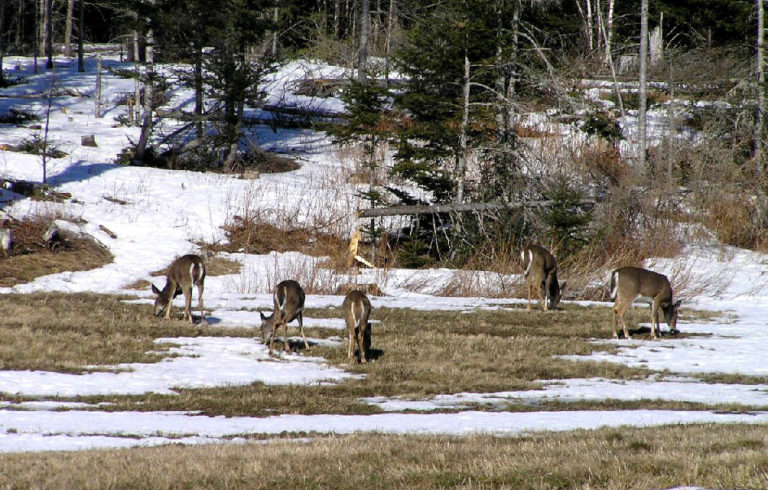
point(705, 456)
point(31, 257)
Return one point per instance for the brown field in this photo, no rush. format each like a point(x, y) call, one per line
point(417, 354)
point(710, 456)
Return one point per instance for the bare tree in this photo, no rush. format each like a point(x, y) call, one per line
point(48, 21)
point(2, 41)
point(146, 124)
point(68, 28)
point(80, 33)
point(760, 116)
point(365, 27)
point(643, 89)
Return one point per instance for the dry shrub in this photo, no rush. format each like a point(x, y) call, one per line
point(30, 256)
point(603, 160)
point(737, 219)
point(259, 237)
point(307, 272)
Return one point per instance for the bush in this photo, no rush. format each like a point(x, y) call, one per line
point(36, 145)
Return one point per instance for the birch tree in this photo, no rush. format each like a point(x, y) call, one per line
point(760, 75)
point(365, 27)
point(642, 89)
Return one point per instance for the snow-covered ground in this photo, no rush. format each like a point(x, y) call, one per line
point(165, 213)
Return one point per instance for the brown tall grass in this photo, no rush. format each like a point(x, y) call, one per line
point(706, 456)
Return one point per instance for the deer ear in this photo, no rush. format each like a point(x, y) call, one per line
point(262, 316)
point(156, 291)
point(677, 305)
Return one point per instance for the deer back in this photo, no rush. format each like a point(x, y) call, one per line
point(630, 282)
point(288, 302)
point(539, 264)
point(357, 309)
point(184, 272)
point(538, 261)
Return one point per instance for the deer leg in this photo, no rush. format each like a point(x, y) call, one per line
point(170, 300)
point(200, 302)
point(619, 311)
point(529, 283)
point(361, 344)
point(351, 349)
point(613, 323)
point(655, 320)
point(286, 345)
point(301, 329)
point(188, 304)
point(272, 337)
point(543, 295)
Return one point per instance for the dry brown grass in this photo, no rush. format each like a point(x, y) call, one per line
point(253, 235)
point(70, 332)
point(30, 257)
point(708, 456)
point(420, 354)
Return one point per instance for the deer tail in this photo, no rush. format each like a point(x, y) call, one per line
point(614, 285)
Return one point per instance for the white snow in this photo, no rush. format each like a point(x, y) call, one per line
point(168, 212)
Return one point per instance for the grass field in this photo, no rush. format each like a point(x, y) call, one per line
point(711, 456)
point(417, 354)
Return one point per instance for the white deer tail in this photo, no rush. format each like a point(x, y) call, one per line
point(527, 261)
point(614, 285)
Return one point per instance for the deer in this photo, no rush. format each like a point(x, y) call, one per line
point(357, 309)
point(288, 301)
point(629, 283)
point(541, 272)
point(183, 273)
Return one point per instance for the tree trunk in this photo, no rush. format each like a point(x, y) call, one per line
point(2, 41)
point(48, 34)
point(388, 42)
point(36, 35)
point(146, 124)
point(68, 28)
point(510, 133)
point(199, 107)
point(137, 81)
point(362, 55)
point(461, 161)
point(609, 57)
point(760, 116)
point(19, 26)
point(609, 32)
point(275, 19)
point(590, 27)
point(97, 96)
point(643, 89)
point(80, 34)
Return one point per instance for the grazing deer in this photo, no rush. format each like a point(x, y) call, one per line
point(288, 302)
point(357, 309)
point(541, 272)
point(184, 272)
point(627, 283)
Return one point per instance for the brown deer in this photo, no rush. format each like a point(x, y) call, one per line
point(541, 272)
point(357, 309)
point(288, 301)
point(183, 273)
point(627, 283)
